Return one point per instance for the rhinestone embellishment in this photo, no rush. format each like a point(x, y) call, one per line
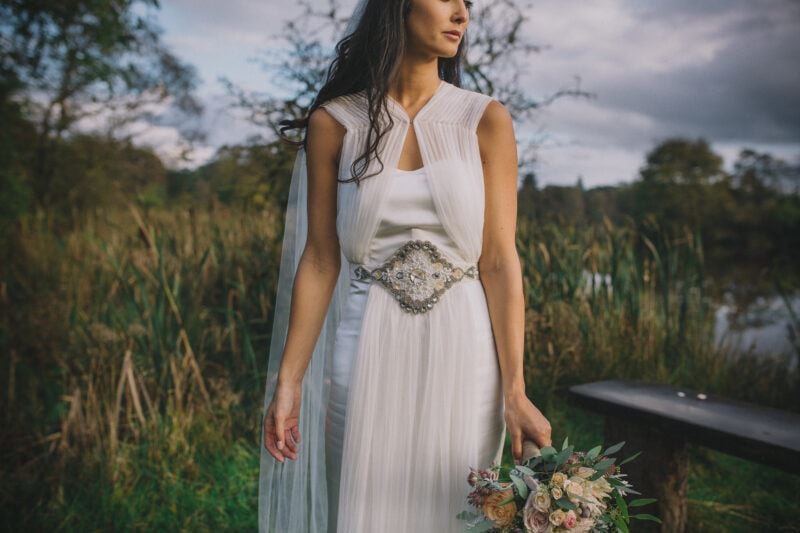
point(417, 275)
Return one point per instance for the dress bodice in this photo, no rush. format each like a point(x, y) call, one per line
point(445, 130)
point(408, 212)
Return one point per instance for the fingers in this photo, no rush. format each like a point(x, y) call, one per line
point(547, 433)
point(290, 448)
point(280, 432)
point(516, 445)
point(544, 440)
point(269, 440)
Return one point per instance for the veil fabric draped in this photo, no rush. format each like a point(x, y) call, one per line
point(293, 495)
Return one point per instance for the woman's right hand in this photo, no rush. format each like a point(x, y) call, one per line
point(281, 423)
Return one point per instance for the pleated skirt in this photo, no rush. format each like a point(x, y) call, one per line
point(415, 400)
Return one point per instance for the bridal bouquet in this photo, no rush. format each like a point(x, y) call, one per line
point(552, 491)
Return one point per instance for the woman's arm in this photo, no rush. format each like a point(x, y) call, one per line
point(315, 280)
point(318, 268)
point(501, 273)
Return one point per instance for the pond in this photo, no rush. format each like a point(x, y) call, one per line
point(764, 326)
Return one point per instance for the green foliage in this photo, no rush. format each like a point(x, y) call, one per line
point(68, 61)
point(679, 161)
point(175, 479)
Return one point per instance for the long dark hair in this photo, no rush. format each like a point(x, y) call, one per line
point(368, 59)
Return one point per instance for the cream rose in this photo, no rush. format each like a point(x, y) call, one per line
point(585, 472)
point(574, 488)
point(600, 488)
point(556, 517)
point(541, 500)
point(558, 479)
point(556, 493)
point(597, 491)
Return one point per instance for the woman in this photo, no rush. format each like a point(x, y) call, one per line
point(401, 362)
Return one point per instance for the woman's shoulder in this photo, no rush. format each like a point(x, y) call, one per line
point(471, 95)
point(471, 105)
point(348, 109)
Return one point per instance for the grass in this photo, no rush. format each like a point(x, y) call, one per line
point(203, 482)
point(171, 481)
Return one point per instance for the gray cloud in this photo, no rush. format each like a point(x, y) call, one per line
point(750, 89)
point(723, 69)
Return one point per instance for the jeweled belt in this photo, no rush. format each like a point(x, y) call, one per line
point(417, 274)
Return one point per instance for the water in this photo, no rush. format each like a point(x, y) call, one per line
point(763, 327)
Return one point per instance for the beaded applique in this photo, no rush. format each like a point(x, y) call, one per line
point(417, 274)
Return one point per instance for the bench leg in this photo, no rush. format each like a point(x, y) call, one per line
point(660, 471)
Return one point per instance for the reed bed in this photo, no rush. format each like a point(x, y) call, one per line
point(613, 301)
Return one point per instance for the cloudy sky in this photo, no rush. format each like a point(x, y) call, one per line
point(726, 70)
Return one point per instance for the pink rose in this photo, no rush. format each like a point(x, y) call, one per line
point(573, 458)
point(570, 519)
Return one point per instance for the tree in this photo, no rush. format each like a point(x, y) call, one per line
point(759, 173)
point(681, 161)
point(67, 61)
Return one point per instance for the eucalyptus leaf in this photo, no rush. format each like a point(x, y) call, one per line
point(597, 475)
point(562, 456)
point(631, 458)
point(605, 463)
point(548, 451)
point(564, 503)
point(526, 470)
point(522, 488)
point(623, 507)
point(614, 448)
point(594, 452)
point(486, 525)
point(646, 516)
point(620, 523)
point(638, 502)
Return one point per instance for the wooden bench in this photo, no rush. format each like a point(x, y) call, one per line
point(661, 420)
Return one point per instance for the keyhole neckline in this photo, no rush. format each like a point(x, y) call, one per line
point(402, 110)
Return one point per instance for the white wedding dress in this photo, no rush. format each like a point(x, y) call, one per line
point(396, 406)
point(417, 419)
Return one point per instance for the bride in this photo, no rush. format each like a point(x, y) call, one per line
point(395, 362)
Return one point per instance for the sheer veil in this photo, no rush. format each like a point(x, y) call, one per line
point(293, 495)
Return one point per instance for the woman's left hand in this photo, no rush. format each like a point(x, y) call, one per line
point(524, 421)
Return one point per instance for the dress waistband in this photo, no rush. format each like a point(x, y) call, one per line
point(417, 274)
